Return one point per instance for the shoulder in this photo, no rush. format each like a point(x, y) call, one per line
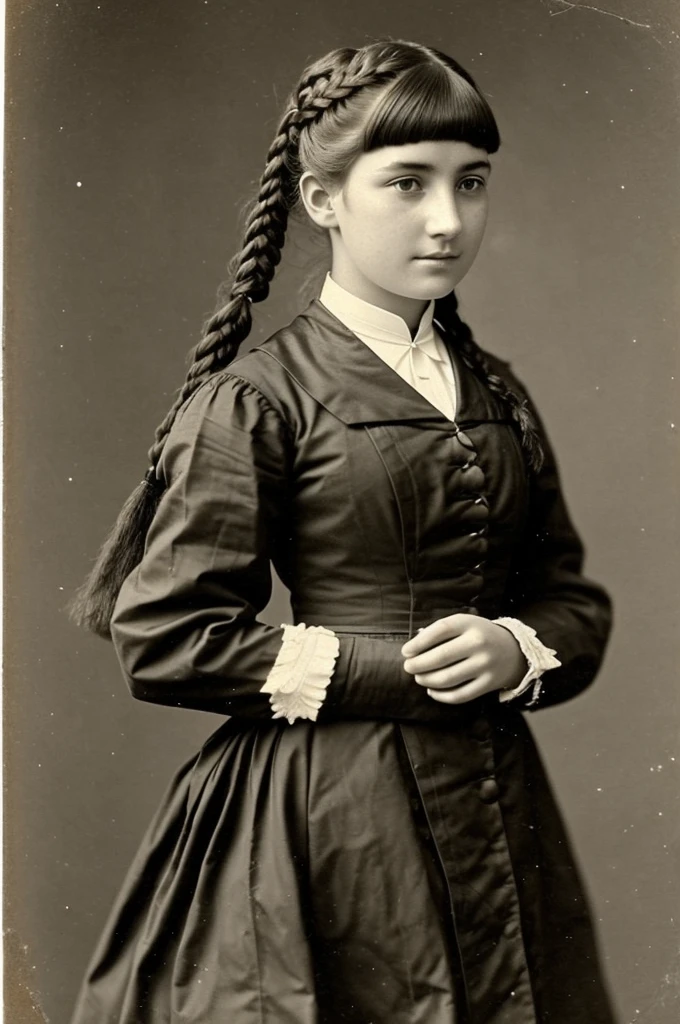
point(225, 421)
point(269, 362)
point(251, 393)
point(499, 366)
point(227, 410)
point(222, 395)
point(288, 366)
point(505, 370)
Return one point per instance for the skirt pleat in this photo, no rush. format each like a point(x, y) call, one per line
point(281, 880)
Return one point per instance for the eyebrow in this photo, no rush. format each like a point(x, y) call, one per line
point(412, 165)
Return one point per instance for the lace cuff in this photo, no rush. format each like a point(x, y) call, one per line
point(539, 657)
point(299, 677)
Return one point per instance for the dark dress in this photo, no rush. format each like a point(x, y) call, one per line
point(399, 860)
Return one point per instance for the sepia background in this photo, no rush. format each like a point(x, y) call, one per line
point(135, 133)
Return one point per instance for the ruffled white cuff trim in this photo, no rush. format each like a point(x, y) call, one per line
point(299, 677)
point(539, 657)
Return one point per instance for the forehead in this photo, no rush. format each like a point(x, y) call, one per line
point(439, 155)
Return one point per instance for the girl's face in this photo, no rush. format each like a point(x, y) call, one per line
point(409, 221)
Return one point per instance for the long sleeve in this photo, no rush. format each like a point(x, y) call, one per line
point(185, 624)
point(548, 591)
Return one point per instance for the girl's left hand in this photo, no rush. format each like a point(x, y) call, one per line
point(464, 656)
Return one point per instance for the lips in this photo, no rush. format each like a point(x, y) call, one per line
point(439, 256)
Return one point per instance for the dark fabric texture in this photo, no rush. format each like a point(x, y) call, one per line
point(399, 860)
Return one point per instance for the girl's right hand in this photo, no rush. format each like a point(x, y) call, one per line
point(461, 657)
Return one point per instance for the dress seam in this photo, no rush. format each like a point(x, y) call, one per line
point(530, 982)
point(402, 524)
point(251, 865)
point(356, 505)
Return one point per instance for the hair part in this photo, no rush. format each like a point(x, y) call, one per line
point(350, 101)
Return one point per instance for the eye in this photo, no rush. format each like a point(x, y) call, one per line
point(472, 184)
point(405, 181)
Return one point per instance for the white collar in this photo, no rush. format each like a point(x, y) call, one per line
point(377, 324)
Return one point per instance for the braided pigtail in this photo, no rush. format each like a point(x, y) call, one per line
point(475, 358)
point(255, 265)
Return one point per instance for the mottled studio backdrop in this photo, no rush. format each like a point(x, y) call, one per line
point(135, 131)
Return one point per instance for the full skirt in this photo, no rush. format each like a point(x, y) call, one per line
point(292, 875)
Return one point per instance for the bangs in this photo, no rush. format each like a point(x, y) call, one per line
point(429, 103)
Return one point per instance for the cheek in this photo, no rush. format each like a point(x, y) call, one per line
point(379, 235)
point(479, 220)
point(367, 227)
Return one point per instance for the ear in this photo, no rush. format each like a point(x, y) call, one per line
point(318, 202)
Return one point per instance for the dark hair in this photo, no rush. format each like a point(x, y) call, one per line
point(350, 101)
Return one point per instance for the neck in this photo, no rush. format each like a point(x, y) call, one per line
point(410, 310)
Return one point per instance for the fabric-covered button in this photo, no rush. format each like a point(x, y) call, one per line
point(472, 514)
point(480, 513)
point(473, 477)
point(488, 791)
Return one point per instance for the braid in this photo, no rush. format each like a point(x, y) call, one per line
point(265, 231)
point(475, 358)
point(325, 84)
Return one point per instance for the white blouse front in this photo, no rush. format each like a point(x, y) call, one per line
point(303, 669)
point(422, 360)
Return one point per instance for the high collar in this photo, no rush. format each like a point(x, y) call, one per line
point(376, 323)
point(343, 374)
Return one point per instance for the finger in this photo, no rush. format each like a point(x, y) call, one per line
point(461, 694)
point(436, 633)
point(460, 674)
point(447, 653)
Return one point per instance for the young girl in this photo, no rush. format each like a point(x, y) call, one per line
point(370, 836)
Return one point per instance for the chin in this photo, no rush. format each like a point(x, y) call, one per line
point(435, 293)
point(435, 289)
point(446, 290)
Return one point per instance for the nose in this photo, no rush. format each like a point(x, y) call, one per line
point(443, 216)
